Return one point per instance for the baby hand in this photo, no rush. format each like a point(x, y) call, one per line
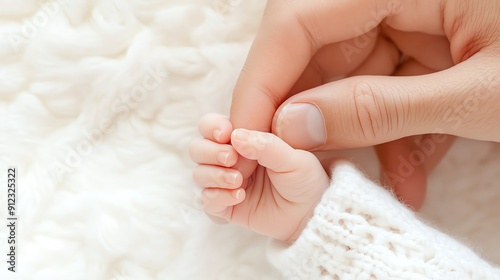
point(276, 199)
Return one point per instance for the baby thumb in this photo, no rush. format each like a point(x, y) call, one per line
point(266, 148)
point(297, 175)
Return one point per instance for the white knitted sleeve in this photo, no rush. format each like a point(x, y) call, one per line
point(360, 231)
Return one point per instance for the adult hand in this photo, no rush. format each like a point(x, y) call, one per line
point(304, 44)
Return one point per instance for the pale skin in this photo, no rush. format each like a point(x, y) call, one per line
point(280, 195)
point(313, 52)
point(454, 54)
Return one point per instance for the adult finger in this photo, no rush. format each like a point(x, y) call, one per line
point(406, 179)
point(292, 31)
point(335, 61)
point(403, 162)
point(433, 51)
point(370, 110)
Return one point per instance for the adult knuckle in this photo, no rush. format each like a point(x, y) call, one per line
point(371, 112)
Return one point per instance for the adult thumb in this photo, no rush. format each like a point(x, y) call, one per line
point(369, 110)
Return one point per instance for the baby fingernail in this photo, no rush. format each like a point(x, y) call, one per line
point(223, 158)
point(230, 178)
point(237, 193)
point(217, 134)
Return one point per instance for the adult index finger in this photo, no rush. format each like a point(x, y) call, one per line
point(290, 34)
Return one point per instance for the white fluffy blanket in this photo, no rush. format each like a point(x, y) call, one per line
point(98, 101)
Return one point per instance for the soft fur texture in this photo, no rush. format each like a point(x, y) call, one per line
point(98, 101)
